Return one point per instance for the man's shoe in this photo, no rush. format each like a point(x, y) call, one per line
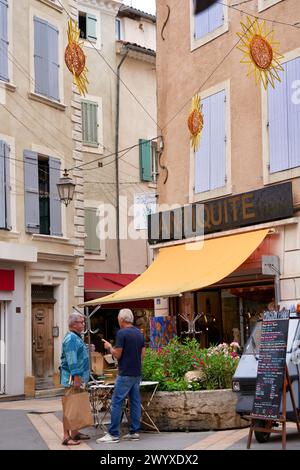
point(132, 437)
point(108, 438)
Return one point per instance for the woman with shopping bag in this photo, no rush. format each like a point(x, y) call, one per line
point(75, 372)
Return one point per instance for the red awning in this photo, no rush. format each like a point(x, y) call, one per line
point(100, 284)
point(106, 282)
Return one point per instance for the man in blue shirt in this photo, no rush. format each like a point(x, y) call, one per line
point(74, 367)
point(129, 351)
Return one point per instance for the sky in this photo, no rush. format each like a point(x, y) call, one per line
point(144, 5)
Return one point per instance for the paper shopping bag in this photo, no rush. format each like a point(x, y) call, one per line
point(76, 410)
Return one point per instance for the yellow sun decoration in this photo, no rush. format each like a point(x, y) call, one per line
point(75, 58)
point(260, 52)
point(196, 122)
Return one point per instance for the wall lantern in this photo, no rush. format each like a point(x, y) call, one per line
point(66, 188)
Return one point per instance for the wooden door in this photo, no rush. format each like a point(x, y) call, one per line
point(42, 345)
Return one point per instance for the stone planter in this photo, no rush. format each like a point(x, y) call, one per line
point(195, 411)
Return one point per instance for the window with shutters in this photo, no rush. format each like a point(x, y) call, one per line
point(4, 43)
point(46, 59)
point(92, 124)
point(210, 168)
point(91, 242)
point(208, 24)
point(148, 164)
point(87, 23)
point(282, 136)
point(5, 188)
point(42, 203)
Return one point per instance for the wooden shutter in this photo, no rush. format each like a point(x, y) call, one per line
point(41, 61)
point(92, 242)
point(53, 66)
point(215, 16)
point(278, 125)
point(210, 158)
point(3, 40)
point(293, 110)
point(89, 111)
point(2, 185)
point(202, 156)
point(91, 23)
point(31, 186)
point(201, 24)
point(217, 140)
point(55, 204)
point(145, 160)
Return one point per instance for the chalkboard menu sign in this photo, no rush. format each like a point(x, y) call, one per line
point(271, 365)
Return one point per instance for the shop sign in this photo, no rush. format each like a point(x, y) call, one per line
point(7, 280)
point(239, 210)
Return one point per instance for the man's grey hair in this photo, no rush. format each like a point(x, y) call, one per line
point(127, 315)
point(74, 317)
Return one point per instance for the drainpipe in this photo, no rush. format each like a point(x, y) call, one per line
point(117, 161)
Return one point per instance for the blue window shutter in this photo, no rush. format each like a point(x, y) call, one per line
point(31, 186)
point(145, 160)
point(55, 204)
point(215, 16)
point(278, 126)
point(217, 140)
point(2, 185)
point(89, 111)
point(293, 109)
point(201, 24)
point(41, 61)
point(3, 41)
point(91, 22)
point(53, 67)
point(202, 156)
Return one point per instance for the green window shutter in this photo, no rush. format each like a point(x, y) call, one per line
point(91, 23)
point(92, 242)
point(145, 160)
point(89, 111)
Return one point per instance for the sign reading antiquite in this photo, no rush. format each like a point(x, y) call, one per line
point(271, 365)
point(239, 210)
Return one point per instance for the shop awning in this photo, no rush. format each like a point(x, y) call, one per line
point(106, 282)
point(184, 268)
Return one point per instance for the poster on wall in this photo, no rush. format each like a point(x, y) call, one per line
point(144, 204)
point(162, 330)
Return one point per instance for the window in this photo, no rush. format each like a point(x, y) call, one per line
point(42, 204)
point(4, 40)
point(148, 164)
point(264, 4)
point(284, 119)
point(91, 242)
point(118, 29)
point(210, 158)
point(46, 63)
point(209, 20)
point(88, 26)
point(4, 186)
point(89, 111)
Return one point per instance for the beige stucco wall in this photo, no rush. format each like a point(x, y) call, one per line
point(100, 183)
point(181, 72)
point(140, 32)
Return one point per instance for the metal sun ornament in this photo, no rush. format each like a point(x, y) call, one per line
point(196, 122)
point(75, 58)
point(260, 52)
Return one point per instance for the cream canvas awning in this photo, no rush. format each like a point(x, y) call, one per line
point(182, 268)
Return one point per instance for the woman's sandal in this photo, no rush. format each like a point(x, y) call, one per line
point(81, 437)
point(70, 442)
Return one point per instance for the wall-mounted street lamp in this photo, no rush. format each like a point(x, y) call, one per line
point(66, 188)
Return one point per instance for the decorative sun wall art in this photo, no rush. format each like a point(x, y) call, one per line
point(260, 52)
point(196, 122)
point(75, 58)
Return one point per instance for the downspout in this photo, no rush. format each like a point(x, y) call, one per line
point(117, 162)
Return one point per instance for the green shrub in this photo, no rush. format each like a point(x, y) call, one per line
point(169, 365)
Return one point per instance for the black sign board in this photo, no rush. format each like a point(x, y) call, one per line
point(239, 210)
point(271, 365)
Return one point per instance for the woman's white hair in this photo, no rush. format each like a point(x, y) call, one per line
point(126, 314)
point(74, 317)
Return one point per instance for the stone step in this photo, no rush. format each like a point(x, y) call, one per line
point(4, 398)
point(53, 392)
